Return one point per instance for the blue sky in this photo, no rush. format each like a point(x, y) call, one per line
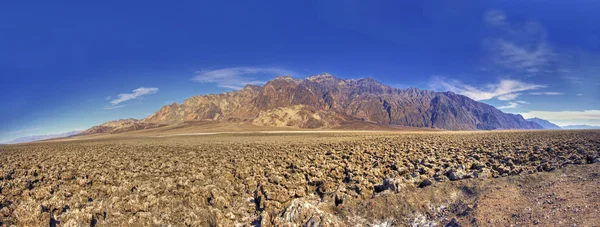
point(73, 65)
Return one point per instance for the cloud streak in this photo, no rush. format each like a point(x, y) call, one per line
point(22, 131)
point(508, 97)
point(511, 105)
point(569, 117)
point(495, 17)
point(236, 78)
point(136, 94)
point(564, 115)
point(545, 93)
point(574, 79)
point(503, 90)
point(521, 48)
point(531, 60)
point(113, 107)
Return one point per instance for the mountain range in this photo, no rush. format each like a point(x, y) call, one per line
point(549, 125)
point(325, 101)
point(580, 127)
point(544, 123)
point(27, 139)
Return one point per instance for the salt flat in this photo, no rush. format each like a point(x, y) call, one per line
point(333, 178)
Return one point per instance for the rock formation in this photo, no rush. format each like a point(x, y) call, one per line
point(325, 101)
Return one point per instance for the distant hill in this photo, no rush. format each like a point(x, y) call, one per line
point(27, 139)
point(325, 101)
point(544, 123)
point(580, 127)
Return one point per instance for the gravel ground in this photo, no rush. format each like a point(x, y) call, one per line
point(327, 179)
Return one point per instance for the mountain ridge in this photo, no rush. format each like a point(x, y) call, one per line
point(26, 139)
point(544, 123)
point(580, 127)
point(325, 101)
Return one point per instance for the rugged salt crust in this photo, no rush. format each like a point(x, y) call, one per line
point(327, 179)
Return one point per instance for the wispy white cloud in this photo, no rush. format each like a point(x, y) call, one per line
point(546, 93)
point(521, 48)
point(107, 97)
point(511, 105)
point(504, 90)
point(494, 17)
point(579, 94)
point(574, 79)
point(236, 78)
point(508, 97)
point(564, 115)
point(531, 60)
point(591, 117)
point(137, 93)
point(22, 131)
point(113, 107)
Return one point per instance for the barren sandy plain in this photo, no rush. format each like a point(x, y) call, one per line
point(439, 178)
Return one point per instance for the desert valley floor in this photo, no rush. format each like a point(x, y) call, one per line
point(437, 178)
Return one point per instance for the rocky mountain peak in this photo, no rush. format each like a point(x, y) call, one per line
point(122, 120)
point(324, 101)
point(321, 77)
point(369, 81)
point(252, 87)
point(285, 78)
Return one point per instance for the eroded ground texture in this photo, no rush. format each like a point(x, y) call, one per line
point(545, 178)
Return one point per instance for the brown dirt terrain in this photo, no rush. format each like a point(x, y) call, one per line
point(520, 178)
point(218, 127)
